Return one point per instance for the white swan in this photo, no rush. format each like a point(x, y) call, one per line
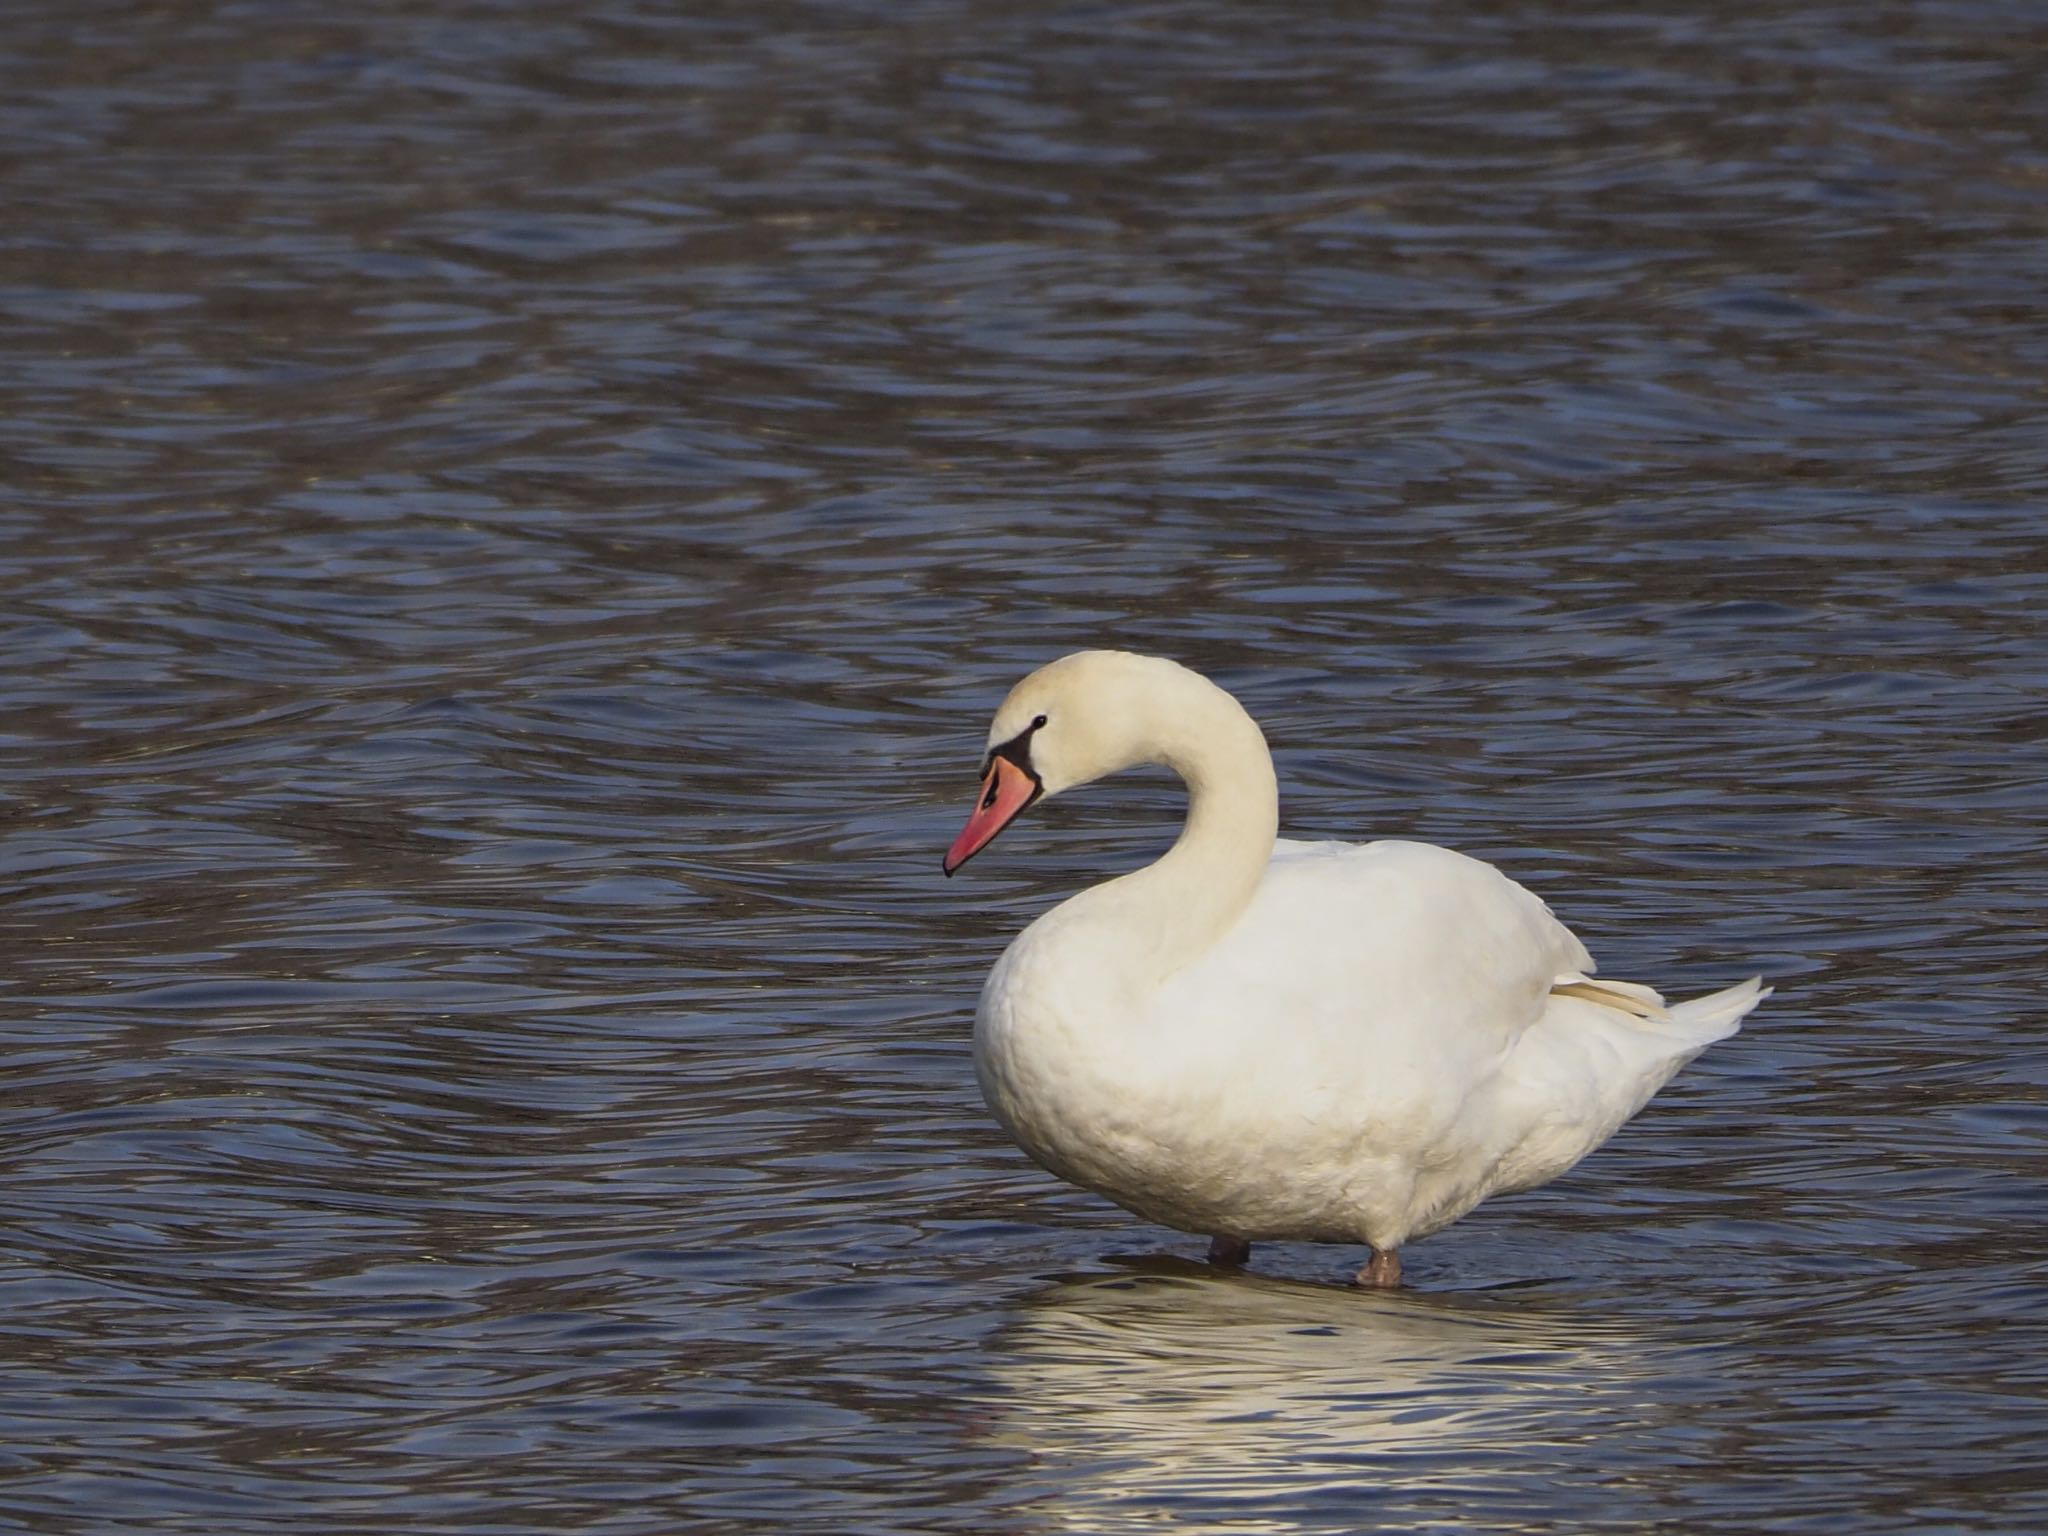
point(1259, 1039)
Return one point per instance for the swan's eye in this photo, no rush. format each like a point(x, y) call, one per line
point(1017, 750)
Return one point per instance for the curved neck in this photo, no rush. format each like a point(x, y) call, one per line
point(1178, 907)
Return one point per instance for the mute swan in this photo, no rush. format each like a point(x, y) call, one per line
point(1256, 1039)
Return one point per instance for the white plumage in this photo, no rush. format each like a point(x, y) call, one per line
point(1256, 1039)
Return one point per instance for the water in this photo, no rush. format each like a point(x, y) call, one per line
point(516, 517)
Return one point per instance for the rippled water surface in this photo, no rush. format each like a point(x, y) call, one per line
point(515, 518)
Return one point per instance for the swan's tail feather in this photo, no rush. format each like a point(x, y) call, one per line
point(1630, 997)
point(1699, 1022)
point(1603, 1060)
point(1719, 1014)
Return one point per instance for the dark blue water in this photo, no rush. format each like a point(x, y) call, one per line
point(515, 518)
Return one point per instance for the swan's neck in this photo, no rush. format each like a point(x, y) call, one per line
point(1176, 909)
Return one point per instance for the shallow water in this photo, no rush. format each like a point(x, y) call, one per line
point(516, 518)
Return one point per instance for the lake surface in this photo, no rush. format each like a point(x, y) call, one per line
point(517, 515)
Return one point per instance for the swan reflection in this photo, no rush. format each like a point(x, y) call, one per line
point(1168, 1391)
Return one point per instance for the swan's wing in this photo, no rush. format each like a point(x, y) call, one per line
point(1402, 954)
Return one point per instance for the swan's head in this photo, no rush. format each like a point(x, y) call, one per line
point(1076, 719)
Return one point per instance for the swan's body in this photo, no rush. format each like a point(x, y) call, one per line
point(1259, 1039)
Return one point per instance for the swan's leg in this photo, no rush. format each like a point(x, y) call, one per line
point(1384, 1272)
point(1230, 1252)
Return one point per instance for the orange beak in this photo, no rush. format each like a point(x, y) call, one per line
point(1005, 792)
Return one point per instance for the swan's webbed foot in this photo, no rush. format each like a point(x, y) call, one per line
point(1383, 1273)
point(1229, 1252)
